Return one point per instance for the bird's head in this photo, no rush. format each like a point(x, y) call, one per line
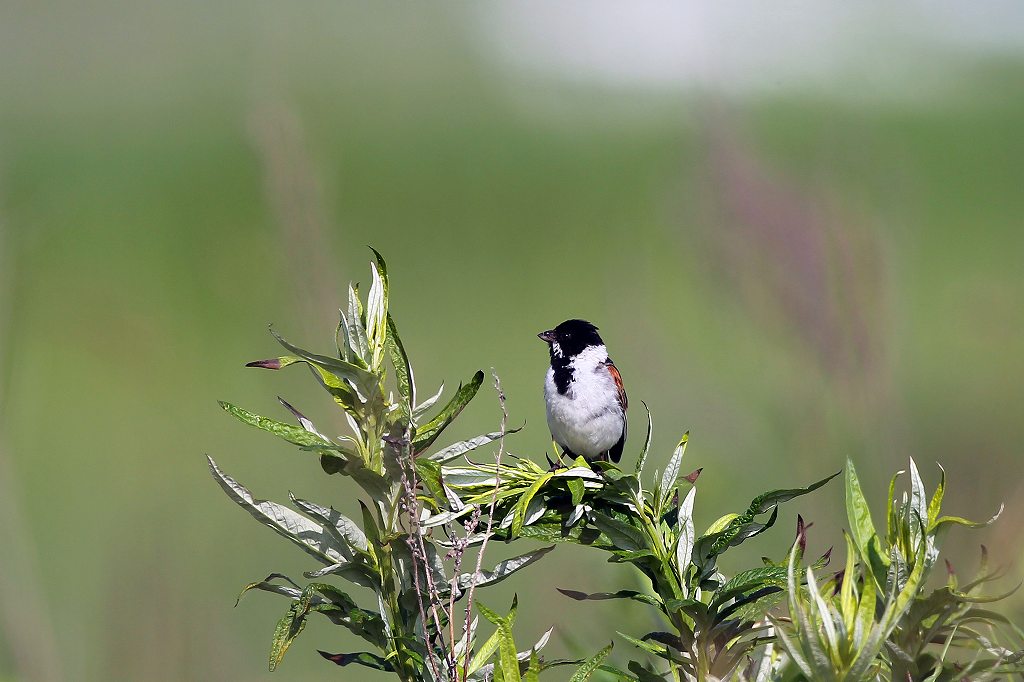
point(570, 338)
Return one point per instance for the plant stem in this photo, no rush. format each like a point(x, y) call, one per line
point(490, 516)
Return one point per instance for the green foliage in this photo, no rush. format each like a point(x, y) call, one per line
point(714, 622)
point(873, 620)
point(388, 552)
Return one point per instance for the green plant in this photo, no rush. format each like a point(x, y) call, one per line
point(716, 623)
point(874, 620)
point(427, 513)
point(414, 579)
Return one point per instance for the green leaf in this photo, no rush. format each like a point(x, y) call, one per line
point(647, 442)
point(576, 489)
point(341, 609)
point(857, 511)
point(643, 674)
point(508, 661)
point(296, 435)
point(377, 312)
point(753, 607)
point(891, 515)
point(750, 581)
point(577, 534)
point(355, 572)
point(524, 503)
point(693, 608)
point(456, 450)
point(649, 647)
point(268, 586)
point(584, 672)
point(721, 524)
point(375, 485)
point(428, 433)
point(959, 521)
point(502, 569)
point(707, 548)
point(762, 503)
point(686, 538)
point(294, 621)
point(621, 594)
point(935, 505)
point(421, 409)
point(403, 368)
point(918, 502)
point(862, 528)
point(847, 598)
point(356, 330)
point(631, 556)
point(345, 370)
point(623, 535)
point(370, 528)
point(288, 628)
point(307, 535)
point(429, 473)
point(671, 475)
point(362, 658)
point(484, 653)
point(335, 385)
point(533, 670)
point(346, 528)
point(815, 663)
point(793, 649)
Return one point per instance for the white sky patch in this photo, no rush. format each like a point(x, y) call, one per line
point(741, 46)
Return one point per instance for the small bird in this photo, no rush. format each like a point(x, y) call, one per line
point(586, 403)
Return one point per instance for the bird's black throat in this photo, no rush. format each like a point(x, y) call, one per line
point(563, 372)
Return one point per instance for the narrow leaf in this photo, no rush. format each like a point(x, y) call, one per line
point(857, 512)
point(584, 672)
point(621, 594)
point(330, 517)
point(524, 503)
point(502, 569)
point(296, 435)
point(456, 450)
point(428, 433)
point(288, 628)
point(647, 441)
point(687, 535)
point(345, 370)
point(307, 535)
point(671, 475)
point(403, 368)
point(362, 658)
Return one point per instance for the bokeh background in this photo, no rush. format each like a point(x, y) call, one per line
point(798, 225)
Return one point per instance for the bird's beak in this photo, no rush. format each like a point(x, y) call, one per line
point(548, 336)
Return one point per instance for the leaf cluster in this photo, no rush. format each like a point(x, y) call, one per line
point(713, 623)
point(412, 581)
point(875, 620)
point(426, 513)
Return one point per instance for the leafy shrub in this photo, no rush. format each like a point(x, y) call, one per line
point(416, 580)
point(875, 620)
point(715, 622)
point(872, 620)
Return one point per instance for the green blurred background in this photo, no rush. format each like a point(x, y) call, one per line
point(799, 228)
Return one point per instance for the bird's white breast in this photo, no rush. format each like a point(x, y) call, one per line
point(587, 418)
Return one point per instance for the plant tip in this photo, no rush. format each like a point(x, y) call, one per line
point(270, 363)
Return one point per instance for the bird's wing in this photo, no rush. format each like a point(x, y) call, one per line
point(617, 378)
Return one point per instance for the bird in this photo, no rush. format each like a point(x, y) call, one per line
point(586, 402)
